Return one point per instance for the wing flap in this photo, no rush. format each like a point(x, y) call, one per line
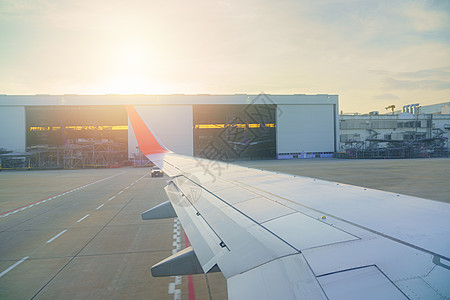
point(206, 243)
point(362, 283)
point(304, 232)
point(222, 235)
point(284, 278)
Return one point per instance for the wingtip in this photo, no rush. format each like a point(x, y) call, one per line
point(148, 142)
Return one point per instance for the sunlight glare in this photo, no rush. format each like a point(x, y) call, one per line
point(129, 84)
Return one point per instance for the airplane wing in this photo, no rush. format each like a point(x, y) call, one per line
point(281, 236)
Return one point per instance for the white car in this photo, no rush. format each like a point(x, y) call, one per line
point(157, 172)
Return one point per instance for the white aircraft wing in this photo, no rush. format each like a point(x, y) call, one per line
point(281, 236)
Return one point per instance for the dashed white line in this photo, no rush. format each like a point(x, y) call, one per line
point(120, 192)
point(83, 218)
point(57, 196)
point(14, 265)
point(56, 236)
point(99, 207)
point(172, 289)
point(111, 198)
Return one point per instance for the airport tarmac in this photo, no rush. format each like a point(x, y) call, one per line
point(78, 233)
point(419, 177)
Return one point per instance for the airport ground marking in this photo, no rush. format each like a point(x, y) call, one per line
point(172, 289)
point(83, 218)
point(177, 292)
point(13, 266)
point(22, 208)
point(56, 236)
point(191, 291)
point(82, 248)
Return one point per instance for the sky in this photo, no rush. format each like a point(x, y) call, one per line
point(370, 53)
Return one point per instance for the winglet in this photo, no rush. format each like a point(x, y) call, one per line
point(148, 143)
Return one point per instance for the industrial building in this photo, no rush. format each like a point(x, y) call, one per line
point(73, 131)
point(413, 131)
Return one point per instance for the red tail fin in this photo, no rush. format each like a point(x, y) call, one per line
point(145, 138)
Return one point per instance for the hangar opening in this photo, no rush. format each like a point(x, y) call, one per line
point(77, 136)
point(232, 132)
point(60, 125)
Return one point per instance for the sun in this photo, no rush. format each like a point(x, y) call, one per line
point(130, 70)
point(130, 84)
point(133, 59)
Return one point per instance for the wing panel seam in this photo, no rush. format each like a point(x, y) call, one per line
point(357, 225)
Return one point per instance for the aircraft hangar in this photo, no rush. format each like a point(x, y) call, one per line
point(221, 127)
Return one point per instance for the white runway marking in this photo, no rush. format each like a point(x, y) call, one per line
point(99, 207)
point(14, 265)
point(56, 196)
point(120, 192)
point(111, 198)
point(56, 236)
point(177, 246)
point(83, 218)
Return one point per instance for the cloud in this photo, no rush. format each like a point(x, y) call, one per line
point(430, 73)
point(439, 73)
point(226, 46)
point(436, 79)
point(391, 83)
point(425, 18)
point(386, 97)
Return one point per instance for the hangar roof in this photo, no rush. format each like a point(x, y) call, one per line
point(31, 100)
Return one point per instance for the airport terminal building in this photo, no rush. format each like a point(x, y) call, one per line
point(224, 127)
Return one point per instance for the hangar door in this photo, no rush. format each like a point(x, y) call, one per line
point(305, 129)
